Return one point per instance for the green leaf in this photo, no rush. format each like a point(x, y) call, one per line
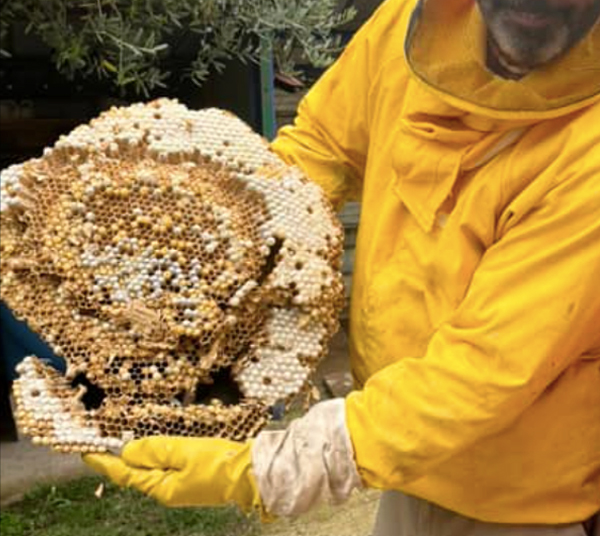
point(108, 66)
point(129, 41)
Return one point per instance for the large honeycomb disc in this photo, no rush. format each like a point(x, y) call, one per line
point(187, 276)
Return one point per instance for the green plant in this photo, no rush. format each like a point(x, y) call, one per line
point(133, 42)
point(72, 508)
point(11, 524)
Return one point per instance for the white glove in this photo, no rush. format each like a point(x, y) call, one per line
point(310, 461)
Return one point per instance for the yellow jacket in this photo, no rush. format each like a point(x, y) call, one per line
point(475, 316)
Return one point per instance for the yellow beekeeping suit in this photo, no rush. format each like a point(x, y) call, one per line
point(475, 316)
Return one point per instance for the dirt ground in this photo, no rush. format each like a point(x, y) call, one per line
point(353, 518)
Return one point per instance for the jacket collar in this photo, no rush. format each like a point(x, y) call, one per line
point(445, 50)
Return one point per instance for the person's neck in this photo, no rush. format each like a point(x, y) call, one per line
point(500, 65)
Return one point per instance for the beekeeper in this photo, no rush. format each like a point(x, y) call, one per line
point(470, 132)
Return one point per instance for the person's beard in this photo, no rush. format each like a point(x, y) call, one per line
point(524, 47)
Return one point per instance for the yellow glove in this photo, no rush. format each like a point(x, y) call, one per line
point(279, 472)
point(185, 471)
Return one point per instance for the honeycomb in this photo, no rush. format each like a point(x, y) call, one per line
point(187, 276)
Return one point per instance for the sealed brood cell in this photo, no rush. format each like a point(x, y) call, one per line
point(187, 276)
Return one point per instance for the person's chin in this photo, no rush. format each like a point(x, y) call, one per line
point(531, 55)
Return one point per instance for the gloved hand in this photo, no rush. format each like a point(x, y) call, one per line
point(279, 473)
point(184, 471)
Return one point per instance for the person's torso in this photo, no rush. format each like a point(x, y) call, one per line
point(431, 208)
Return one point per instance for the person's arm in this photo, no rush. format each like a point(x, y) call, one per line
point(532, 310)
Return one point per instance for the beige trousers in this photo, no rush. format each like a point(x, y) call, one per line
point(402, 515)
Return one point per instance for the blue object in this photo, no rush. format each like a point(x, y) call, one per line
point(18, 341)
point(277, 411)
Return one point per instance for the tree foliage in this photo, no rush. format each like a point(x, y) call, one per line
point(134, 43)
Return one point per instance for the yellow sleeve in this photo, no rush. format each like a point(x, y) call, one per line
point(329, 139)
point(532, 309)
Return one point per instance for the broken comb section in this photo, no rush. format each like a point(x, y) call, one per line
point(187, 276)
